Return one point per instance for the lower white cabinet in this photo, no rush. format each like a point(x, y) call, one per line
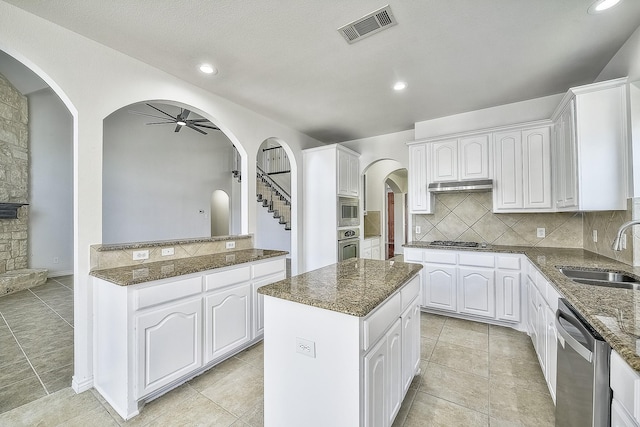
point(440, 287)
point(410, 344)
point(625, 385)
point(508, 295)
point(151, 337)
point(227, 320)
point(476, 292)
point(370, 248)
point(168, 344)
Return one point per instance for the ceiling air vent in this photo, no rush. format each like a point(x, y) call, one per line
point(368, 25)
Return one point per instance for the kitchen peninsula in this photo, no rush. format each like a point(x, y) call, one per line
point(160, 323)
point(342, 344)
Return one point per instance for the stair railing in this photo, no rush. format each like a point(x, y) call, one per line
point(262, 175)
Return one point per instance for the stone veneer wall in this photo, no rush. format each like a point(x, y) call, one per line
point(468, 217)
point(14, 175)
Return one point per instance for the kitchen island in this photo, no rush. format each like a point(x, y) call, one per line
point(341, 344)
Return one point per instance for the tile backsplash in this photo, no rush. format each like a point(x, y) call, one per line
point(607, 223)
point(468, 217)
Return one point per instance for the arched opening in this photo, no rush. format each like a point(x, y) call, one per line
point(274, 211)
point(36, 159)
point(220, 213)
point(158, 174)
point(395, 229)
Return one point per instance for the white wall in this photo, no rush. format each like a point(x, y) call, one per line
point(626, 62)
point(93, 81)
point(50, 184)
point(269, 233)
point(157, 181)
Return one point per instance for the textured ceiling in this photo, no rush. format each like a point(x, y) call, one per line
point(286, 60)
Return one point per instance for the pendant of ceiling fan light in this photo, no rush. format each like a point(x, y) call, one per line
point(181, 120)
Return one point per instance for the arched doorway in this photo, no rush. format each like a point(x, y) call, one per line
point(219, 213)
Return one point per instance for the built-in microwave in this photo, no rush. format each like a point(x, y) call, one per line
point(348, 212)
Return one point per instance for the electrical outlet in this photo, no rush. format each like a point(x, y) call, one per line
point(306, 347)
point(138, 255)
point(418, 229)
point(595, 236)
point(230, 245)
point(624, 240)
point(56, 260)
point(168, 251)
point(541, 232)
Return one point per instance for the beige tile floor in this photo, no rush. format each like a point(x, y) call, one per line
point(472, 374)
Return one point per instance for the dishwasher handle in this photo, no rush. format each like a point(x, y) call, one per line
point(583, 351)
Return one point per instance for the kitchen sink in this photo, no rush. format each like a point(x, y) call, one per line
point(611, 279)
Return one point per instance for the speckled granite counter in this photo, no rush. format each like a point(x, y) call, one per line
point(613, 312)
point(147, 272)
point(355, 286)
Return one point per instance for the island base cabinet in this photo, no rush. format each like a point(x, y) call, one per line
point(227, 320)
point(168, 343)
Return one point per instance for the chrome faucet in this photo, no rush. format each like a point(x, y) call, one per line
point(617, 243)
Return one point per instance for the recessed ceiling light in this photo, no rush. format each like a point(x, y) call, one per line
point(602, 5)
point(208, 69)
point(399, 86)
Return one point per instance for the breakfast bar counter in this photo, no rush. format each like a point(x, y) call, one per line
point(341, 344)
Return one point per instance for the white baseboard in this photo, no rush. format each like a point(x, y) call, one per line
point(59, 273)
point(83, 386)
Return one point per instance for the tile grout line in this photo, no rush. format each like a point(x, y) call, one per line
point(62, 284)
point(51, 308)
point(25, 355)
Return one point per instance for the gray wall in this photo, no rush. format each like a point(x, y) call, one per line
point(156, 181)
point(51, 184)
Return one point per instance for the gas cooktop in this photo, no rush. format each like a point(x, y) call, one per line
point(452, 243)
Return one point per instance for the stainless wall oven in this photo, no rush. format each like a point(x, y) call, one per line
point(348, 243)
point(348, 212)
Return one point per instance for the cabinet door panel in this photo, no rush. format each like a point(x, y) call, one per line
point(375, 385)
point(508, 189)
point(168, 344)
point(440, 287)
point(410, 345)
point(394, 345)
point(552, 352)
point(258, 302)
point(508, 296)
point(419, 197)
point(474, 157)
point(537, 168)
point(476, 292)
point(343, 174)
point(445, 161)
point(569, 167)
point(227, 320)
point(354, 176)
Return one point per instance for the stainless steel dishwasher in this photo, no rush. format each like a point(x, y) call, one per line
point(583, 396)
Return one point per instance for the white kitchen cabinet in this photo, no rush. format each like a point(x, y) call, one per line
point(522, 170)
point(370, 248)
point(476, 291)
point(154, 336)
point(592, 138)
point(421, 201)
point(508, 295)
point(227, 320)
point(168, 340)
point(376, 381)
point(395, 390)
point(552, 352)
point(410, 344)
point(348, 174)
point(440, 287)
point(625, 385)
point(465, 158)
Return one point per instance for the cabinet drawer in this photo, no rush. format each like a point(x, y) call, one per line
point(509, 262)
point(410, 291)
point(165, 292)
point(267, 268)
point(477, 260)
point(440, 257)
point(380, 320)
point(227, 277)
point(413, 255)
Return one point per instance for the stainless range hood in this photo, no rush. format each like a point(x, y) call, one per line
point(462, 186)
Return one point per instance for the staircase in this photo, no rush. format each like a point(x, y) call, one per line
point(274, 198)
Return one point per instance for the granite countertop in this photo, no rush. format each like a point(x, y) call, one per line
point(147, 272)
point(354, 287)
point(613, 312)
point(160, 243)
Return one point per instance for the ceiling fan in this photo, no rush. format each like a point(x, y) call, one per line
point(181, 120)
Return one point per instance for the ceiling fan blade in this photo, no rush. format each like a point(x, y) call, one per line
point(184, 115)
point(163, 112)
point(160, 123)
point(197, 120)
point(148, 115)
point(177, 129)
point(205, 126)
point(190, 126)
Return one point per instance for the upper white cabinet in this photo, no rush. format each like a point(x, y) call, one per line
point(591, 140)
point(523, 170)
point(348, 174)
point(420, 199)
point(465, 158)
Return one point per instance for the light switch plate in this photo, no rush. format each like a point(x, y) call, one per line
point(418, 230)
point(595, 236)
point(168, 251)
